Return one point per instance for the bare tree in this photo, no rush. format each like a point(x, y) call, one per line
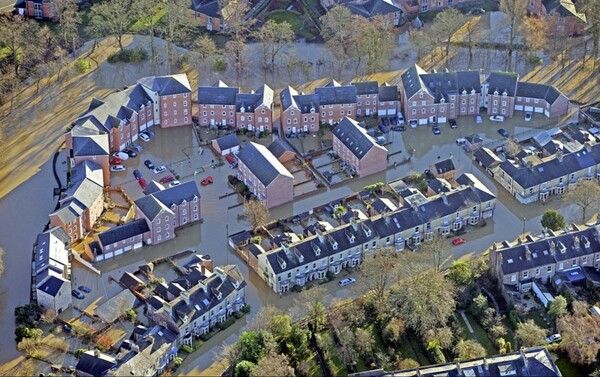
point(535, 33)
point(19, 38)
point(69, 17)
point(9, 86)
point(231, 354)
point(590, 9)
point(337, 29)
point(146, 13)
point(378, 272)
point(206, 48)
point(237, 52)
point(256, 213)
point(373, 39)
point(237, 25)
point(515, 11)
point(113, 18)
point(174, 25)
point(49, 316)
point(273, 36)
point(446, 24)
point(436, 248)
point(473, 32)
point(581, 334)
point(1, 259)
point(310, 302)
point(275, 365)
point(586, 195)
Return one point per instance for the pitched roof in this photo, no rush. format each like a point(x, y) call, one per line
point(52, 249)
point(564, 8)
point(52, 285)
point(371, 8)
point(279, 147)
point(130, 280)
point(330, 95)
point(151, 205)
point(208, 7)
point(218, 94)
point(93, 365)
point(541, 91)
point(388, 93)
point(123, 232)
point(411, 80)
point(355, 138)
point(486, 157)
point(366, 87)
point(228, 141)
point(167, 85)
point(262, 163)
point(250, 101)
point(88, 169)
point(92, 145)
point(503, 82)
point(444, 166)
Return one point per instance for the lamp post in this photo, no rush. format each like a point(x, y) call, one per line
point(523, 232)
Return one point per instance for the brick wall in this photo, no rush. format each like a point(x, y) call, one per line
point(175, 110)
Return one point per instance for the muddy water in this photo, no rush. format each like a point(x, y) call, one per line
point(23, 214)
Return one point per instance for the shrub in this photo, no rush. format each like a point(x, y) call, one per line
point(514, 319)
point(83, 65)
point(220, 65)
point(79, 352)
point(256, 240)
point(131, 314)
point(246, 309)
point(135, 55)
point(297, 288)
point(238, 315)
point(186, 348)
point(226, 324)
point(183, 60)
point(437, 355)
point(197, 344)
point(28, 314)
point(205, 337)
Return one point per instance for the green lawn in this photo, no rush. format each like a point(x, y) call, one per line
point(315, 368)
point(482, 336)
point(413, 352)
point(296, 21)
point(568, 369)
point(463, 326)
point(537, 318)
point(332, 353)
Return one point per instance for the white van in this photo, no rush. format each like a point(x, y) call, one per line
point(346, 281)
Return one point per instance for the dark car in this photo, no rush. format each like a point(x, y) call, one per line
point(149, 164)
point(137, 174)
point(385, 121)
point(394, 120)
point(383, 129)
point(504, 133)
point(436, 130)
point(149, 133)
point(453, 123)
point(135, 146)
point(130, 152)
point(399, 128)
point(67, 327)
point(77, 294)
point(85, 289)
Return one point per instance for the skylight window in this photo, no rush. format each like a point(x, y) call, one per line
point(509, 260)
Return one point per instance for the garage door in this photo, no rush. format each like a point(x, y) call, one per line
point(547, 113)
point(118, 252)
point(528, 108)
point(381, 113)
point(143, 127)
point(442, 120)
point(108, 255)
point(127, 248)
point(391, 112)
point(134, 138)
point(99, 257)
point(122, 146)
point(539, 110)
point(519, 107)
point(422, 121)
point(137, 245)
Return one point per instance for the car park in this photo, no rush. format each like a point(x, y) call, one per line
point(117, 168)
point(130, 152)
point(452, 123)
point(149, 164)
point(207, 181)
point(497, 118)
point(527, 117)
point(85, 289)
point(504, 133)
point(143, 183)
point(120, 155)
point(137, 174)
point(436, 130)
point(344, 282)
point(174, 183)
point(167, 179)
point(159, 169)
point(458, 241)
point(77, 294)
point(137, 147)
point(553, 338)
point(144, 137)
point(116, 161)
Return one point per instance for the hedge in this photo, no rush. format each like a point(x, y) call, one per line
point(135, 55)
point(226, 324)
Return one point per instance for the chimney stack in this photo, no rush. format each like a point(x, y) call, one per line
point(527, 253)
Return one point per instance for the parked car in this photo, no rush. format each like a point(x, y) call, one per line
point(413, 123)
point(504, 133)
point(174, 183)
point(167, 179)
point(527, 117)
point(497, 118)
point(149, 164)
point(143, 183)
point(135, 146)
point(344, 282)
point(231, 160)
point(380, 140)
point(67, 327)
point(120, 155)
point(116, 161)
point(130, 152)
point(553, 338)
point(117, 168)
point(385, 121)
point(394, 120)
point(458, 241)
point(159, 169)
point(77, 294)
point(383, 128)
point(150, 133)
point(137, 174)
point(207, 181)
point(436, 130)
point(453, 123)
point(144, 137)
point(399, 128)
point(461, 141)
point(478, 119)
point(477, 11)
point(85, 289)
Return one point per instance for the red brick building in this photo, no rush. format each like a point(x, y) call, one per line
point(389, 100)
point(542, 99)
point(299, 112)
point(367, 96)
point(499, 90)
point(357, 149)
point(216, 105)
point(265, 176)
point(254, 111)
point(38, 9)
point(209, 14)
point(561, 16)
point(118, 240)
point(390, 10)
point(172, 97)
point(418, 6)
point(336, 102)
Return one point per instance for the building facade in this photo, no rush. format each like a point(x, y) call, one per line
point(562, 17)
point(367, 98)
point(38, 9)
point(216, 105)
point(336, 102)
point(299, 112)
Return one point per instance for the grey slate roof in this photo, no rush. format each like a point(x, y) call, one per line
point(218, 94)
point(228, 141)
point(372, 8)
point(442, 84)
point(439, 185)
point(501, 82)
point(330, 95)
point(304, 102)
point(52, 248)
point(96, 366)
point(88, 169)
point(123, 232)
point(541, 91)
point(279, 147)
point(208, 7)
point(564, 8)
point(262, 163)
point(529, 177)
point(93, 145)
point(388, 93)
point(444, 166)
point(355, 138)
point(151, 205)
point(52, 285)
point(250, 101)
point(411, 80)
point(167, 85)
point(366, 87)
point(486, 157)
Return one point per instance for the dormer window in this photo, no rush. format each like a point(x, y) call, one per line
point(442, 100)
point(472, 91)
point(495, 92)
point(334, 245)
point(312, 110)
point(562, 247)
point(586, 242)
point(184, 202)
point(173, 206)
point(242, 109)
point(504, 94)
point(464, 92)
point(420, 94)
point(220, 296)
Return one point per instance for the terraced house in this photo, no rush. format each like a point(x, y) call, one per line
point(531, 178)
point(299, 112)
point(530, 263)
point(286, 259)
point(216, 105)
point(196, 302)
point(254, 111)
point(336, 102)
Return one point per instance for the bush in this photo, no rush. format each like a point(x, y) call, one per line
point(256, 240)
point(28, 314)
point(205, 337)
point(514, 319)
point(186, 348)
point(183, 60)
point(197, 344)
point(238, 315)
point(79, 352)
point(246, 309)
point(226, 324)
point(220, 65)
point(437, 355)
point(297, 288)
point(135, 55)
point(83, 65)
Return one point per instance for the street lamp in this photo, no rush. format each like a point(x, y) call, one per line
point(523, 226)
